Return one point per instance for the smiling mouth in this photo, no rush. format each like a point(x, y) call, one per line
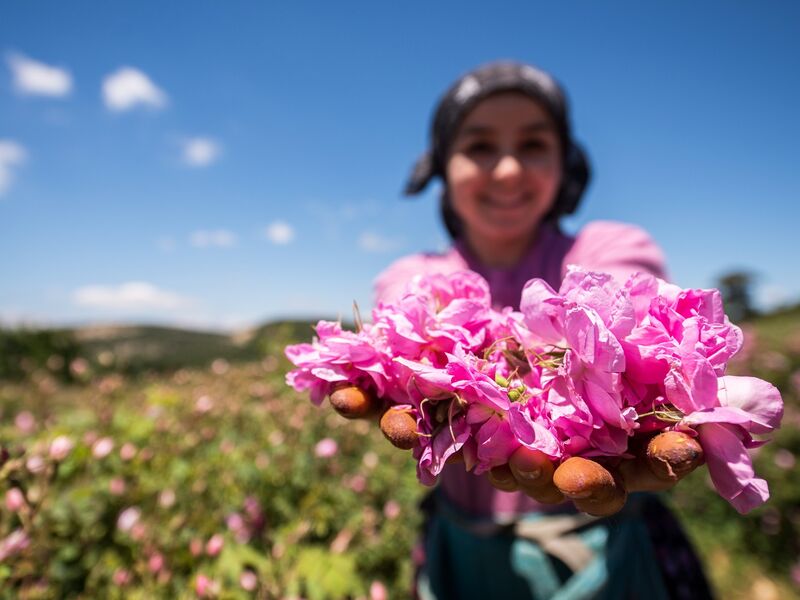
point(506, 203)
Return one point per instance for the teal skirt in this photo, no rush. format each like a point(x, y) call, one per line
point(640, 552)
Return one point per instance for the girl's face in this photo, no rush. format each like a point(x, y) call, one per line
point(504, 169)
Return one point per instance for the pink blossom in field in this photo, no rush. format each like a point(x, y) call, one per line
point(121, 577)
point(79, 367)
point(204, 586)
point(61, 447)
point(35, 464)
point(14, 500)
point(127, 452)
point(138, 531)
point(220, 366)
point(156, 562)
point(326, 448)
point(391, 510)
point(117, 486)
point(102, 447)
point(166, 498)
point(253, 508)
point(14, 543)
point(238, 527)
point(196, 547)
point(357, 483)
point(378, 591)
point(203, 404)
point(248, 580)
point(128, 518)
point(25, 422)
point(214, 544)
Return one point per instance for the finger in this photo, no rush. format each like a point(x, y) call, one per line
point(352, 402)
point(533, 471)
point(603, 508)
point(673, 454)
point(593, 488)
point(639, 477)
point(503, 479)
point(530, 467)
point(400, 428)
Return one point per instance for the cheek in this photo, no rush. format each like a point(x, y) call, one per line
point(547, 178)
point(464, 178)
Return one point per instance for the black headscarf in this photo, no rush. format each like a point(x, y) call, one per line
point(464, 95)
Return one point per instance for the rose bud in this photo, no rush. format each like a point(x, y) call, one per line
point(400, 427)
point(673, 454)
point(352, 402)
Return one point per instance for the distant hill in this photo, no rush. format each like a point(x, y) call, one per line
point(139, 347)
point(136, 348)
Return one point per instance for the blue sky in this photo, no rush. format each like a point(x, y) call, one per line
point(221, 164)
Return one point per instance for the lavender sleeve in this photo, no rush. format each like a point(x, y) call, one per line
point(616, 248)
point(389, 285)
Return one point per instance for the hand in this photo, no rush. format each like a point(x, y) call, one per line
point(601, 489)
point(597, 487)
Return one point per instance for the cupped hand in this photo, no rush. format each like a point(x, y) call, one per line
point(600, 487)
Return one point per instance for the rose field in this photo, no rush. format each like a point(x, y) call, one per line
point(154, 463)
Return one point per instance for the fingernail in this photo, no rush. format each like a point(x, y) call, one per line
point(577, 495)
point(529, 475)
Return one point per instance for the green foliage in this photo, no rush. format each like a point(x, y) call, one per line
point(198, 456)
point(213, 484)
point(22, 351)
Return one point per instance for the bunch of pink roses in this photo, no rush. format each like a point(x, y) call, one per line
point(578, 372)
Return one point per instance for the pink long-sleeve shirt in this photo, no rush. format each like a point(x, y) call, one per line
point(615, 248)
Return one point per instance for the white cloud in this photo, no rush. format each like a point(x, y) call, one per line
point(37, 78)
point(369, 241)
point(128, 87)
point(221, 238)
point(201, 151)
point(12, 155)
point(130, 295)
point(279, 232)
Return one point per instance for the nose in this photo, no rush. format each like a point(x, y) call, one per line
point(508, 168)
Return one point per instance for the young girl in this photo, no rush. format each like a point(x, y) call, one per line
point(502, 146)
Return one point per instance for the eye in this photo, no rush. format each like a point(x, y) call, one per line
point(479, 148)
point(534, 145)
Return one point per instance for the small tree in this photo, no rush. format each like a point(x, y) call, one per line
point(736, 293)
